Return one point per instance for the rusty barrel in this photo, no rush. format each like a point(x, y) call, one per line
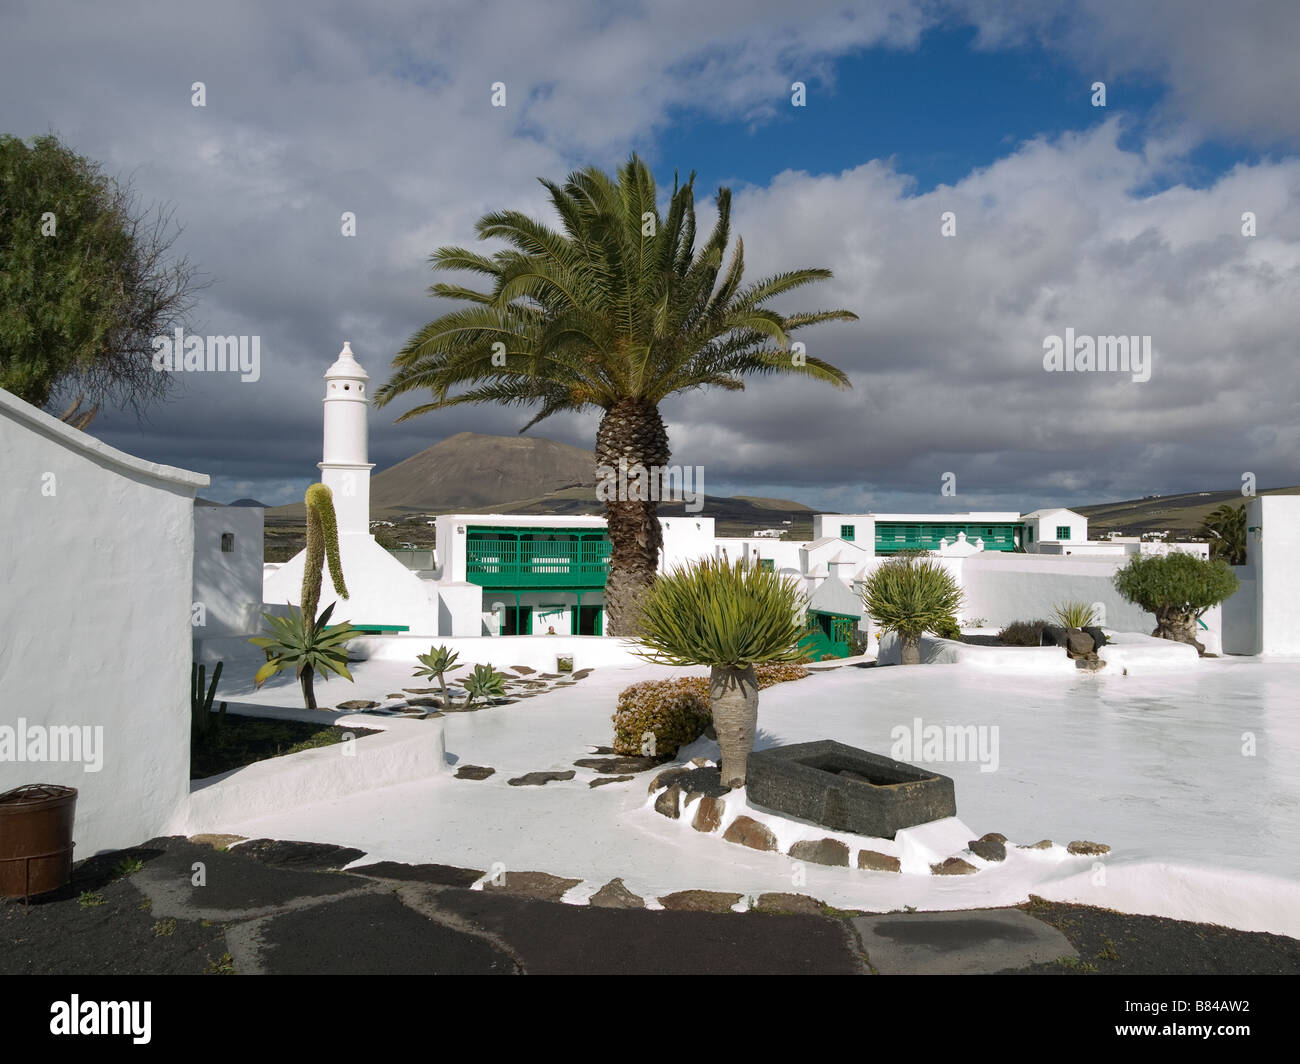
point(36, 838)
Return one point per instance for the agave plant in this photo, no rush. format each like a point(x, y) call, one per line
point(484, 682)
point(912, 596)
point(730, 617)
point(302, 640)
point(307, 647)
point(439, 660)
point(1075, 614)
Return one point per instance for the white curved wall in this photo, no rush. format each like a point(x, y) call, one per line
point(95, 619)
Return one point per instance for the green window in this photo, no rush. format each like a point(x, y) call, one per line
point(1031, 534)
point(1062, 531)
point(846, 532)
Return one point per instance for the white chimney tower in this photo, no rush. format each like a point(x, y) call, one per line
point(344, 468)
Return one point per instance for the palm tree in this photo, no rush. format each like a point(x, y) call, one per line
point(616, 312)
point(1225, 528)
point(731, 617)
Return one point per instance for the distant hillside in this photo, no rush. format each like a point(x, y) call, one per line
point(1178, 513)
point(474, 473)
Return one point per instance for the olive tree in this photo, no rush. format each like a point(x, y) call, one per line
point(87, 280)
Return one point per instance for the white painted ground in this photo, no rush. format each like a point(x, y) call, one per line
point(1151, 765)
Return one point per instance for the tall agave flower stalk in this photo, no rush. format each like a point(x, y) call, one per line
point(302, 640)
point(731, 617)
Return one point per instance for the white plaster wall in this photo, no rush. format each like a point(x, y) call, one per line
point(459, 606)
point(686, 539)
point(1278, 554)
point(1241, 615)
point(95, 619)
point(1003, 587)
point(229, 586)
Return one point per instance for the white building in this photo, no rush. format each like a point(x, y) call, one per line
point(228, 556)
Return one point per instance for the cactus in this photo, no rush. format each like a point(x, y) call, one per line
point(201, 696)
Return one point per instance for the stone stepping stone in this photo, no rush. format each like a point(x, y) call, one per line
point(614, 895)
point(971, 943)
point(419, 691)
point(701, 901)
point(548, 675)
point(618, 765)
point(540, 779)
point(609, 779)
point(524, 669)
point(538, 885)
point(600, 750)
point(582, 674)
point(474, 772)
point(357, 703)
point(442, 875)
point(790, 904)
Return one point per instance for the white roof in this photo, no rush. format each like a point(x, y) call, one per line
point(968, 516)
point(1049, 511)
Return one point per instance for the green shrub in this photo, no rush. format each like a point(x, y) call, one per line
point(1178, 588)
point(947, 629)
point(1023, 633)
point(675, 712)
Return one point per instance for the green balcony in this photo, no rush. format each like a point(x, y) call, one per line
point(892, 536)
point(557, 559)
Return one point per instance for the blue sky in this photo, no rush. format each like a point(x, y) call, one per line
point(1117, 220)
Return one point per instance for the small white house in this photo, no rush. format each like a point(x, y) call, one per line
point(1053, 530)
point(227, 570)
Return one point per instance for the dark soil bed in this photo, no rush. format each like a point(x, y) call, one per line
point(239, 741)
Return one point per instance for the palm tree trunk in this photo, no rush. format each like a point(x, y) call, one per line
point(631, 439)
point(733, 695)
point(308, 687)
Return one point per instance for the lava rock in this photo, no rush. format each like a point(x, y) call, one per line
point(358, 703)
point(538, 885)
point(611, 766)
point(954, 866)
point(749, 832)
point(669, 803)
point(699, 901)
point(613, 895)
point(821, 851)
point(1041, 844)
point(873, 861)
point(474, 772)
point(609, 779)
point(664, 778)
point(1099, 639)
point(1091, 849)
point(995, 836)
point(798, 904)
point(989, 849)
point(1078, 643)
point(708, 814)
point(1054, 636)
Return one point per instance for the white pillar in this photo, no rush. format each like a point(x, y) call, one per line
point(344, 466)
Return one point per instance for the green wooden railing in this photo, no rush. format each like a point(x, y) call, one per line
point(518, 559)
point(894, 536)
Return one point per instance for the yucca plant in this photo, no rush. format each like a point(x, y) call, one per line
point(912, 596)
point(484, 682)
point(615, 310)
point(730, 617)
point(439, 660)
point(302, 640)
point(1075, 614)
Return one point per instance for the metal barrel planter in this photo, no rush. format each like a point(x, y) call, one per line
point(36, 839)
